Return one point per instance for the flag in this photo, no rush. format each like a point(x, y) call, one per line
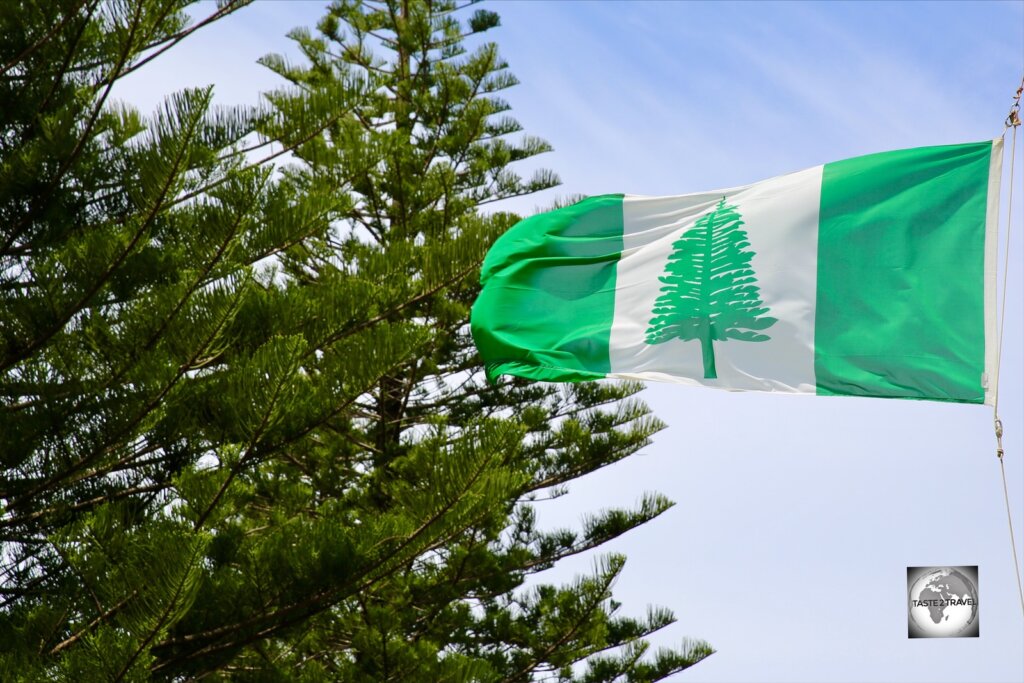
point(873, 276)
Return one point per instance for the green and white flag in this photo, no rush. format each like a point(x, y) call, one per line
point(873, 276)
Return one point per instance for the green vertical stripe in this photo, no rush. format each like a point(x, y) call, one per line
point(548, 297)
point(900, 299)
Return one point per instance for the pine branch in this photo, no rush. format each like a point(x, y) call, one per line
point(591, 607)
point(47, 37)
point(289, 615)
point(65, 66)
point(163, 619)
point(108, 614)
point(89, 124)
point(159, 48)
point(69, 474)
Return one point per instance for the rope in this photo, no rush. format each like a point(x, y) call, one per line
point(1013, 544)
point(1012, 121)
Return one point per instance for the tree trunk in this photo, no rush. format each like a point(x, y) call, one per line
point(707, 352)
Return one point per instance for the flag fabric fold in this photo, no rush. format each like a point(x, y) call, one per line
point(873, 276)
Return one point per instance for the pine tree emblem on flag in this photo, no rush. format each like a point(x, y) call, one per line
point(710, 291)
point(873, 276)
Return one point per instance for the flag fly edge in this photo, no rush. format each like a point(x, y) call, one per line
point(548, 294)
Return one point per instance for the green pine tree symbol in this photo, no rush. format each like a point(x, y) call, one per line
point(710, 291)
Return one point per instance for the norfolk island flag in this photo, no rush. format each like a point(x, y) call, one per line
point(873, 276)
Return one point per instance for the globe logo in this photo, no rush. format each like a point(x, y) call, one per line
point(943, 602)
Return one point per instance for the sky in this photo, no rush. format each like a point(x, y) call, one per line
point(796, 517)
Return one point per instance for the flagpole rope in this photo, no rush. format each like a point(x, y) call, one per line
point(1012, 121)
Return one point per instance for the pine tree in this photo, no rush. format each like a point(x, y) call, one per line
point(243, 428)
point(437, 449)
point(138, 380)
point(710, 290)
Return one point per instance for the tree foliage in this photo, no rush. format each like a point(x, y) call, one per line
point(243, 429)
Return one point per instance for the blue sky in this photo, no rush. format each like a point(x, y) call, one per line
point(796, 517)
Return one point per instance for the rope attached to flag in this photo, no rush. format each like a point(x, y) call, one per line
point(1012, 122)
